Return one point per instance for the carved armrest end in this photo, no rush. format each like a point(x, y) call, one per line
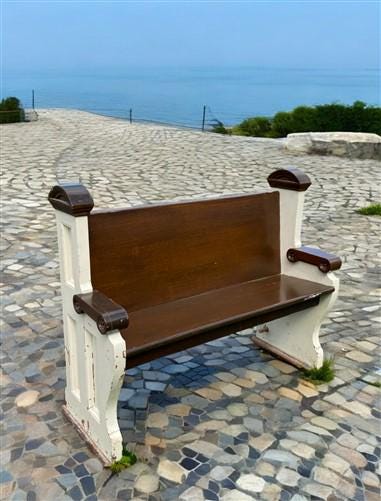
point(324, 261)
point(107, 314)
point(72, 198)
point(289, 178)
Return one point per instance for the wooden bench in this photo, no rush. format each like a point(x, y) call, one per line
point(140, 283)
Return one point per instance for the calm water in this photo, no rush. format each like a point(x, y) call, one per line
point(177, 95)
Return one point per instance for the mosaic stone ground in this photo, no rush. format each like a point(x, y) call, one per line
point(220, 421)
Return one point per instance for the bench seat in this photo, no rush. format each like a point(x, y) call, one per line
point(173, 326)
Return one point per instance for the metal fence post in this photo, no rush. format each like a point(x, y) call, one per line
point(33, 98)
point(130, 115)
point(203, 118)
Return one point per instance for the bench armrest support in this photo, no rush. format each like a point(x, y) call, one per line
point(324, 261)
point(107, 314)
point(297, 337)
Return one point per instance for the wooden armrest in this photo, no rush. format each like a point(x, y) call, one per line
point(107, 314)
point(324, 261)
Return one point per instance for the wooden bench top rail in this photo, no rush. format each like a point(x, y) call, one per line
point(155, 254)
point(185, 201)
point(324, 261)
point(74, 198)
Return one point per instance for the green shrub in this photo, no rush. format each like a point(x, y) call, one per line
point(11, 110)
point(304, 119)
point(10, 103)
point(256, 126)
point(357, 117)
point(331, 118)
point(237, 131)
point(219, 128)
point(371, 210)
point(282, 124)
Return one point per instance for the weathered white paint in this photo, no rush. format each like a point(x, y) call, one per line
point(94, 362)
point(297, 335)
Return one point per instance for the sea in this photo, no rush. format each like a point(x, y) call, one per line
point(187, 96)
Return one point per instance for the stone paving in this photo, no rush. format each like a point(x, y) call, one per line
point(220, 421)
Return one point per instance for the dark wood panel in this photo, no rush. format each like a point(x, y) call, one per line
point(150, 255)
point(174, 326)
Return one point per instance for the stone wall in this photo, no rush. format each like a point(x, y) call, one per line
point(342, 144)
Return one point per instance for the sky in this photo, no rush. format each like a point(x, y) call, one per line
point(87, 35)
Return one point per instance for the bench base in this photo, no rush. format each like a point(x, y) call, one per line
point(278, 353)
point(85, 436)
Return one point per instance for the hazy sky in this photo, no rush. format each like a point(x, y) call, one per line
point(86, 35)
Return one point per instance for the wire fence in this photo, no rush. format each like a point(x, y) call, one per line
point(199, 118)
point(207, 120)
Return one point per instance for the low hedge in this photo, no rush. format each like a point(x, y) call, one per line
point(256, 126)
point(11, 110)
point(358, 117)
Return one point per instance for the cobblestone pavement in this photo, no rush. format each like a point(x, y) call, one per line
point(220, 421)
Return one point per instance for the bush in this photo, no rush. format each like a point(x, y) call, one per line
point(219, 128)
point(237, 131)
point(304, 119)
point(282, 124)
point(11, 110)
point(358, 117)
point(257, 126)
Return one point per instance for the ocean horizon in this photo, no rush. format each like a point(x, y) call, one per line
point(177, 95)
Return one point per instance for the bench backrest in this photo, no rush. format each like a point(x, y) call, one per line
point(158, 253)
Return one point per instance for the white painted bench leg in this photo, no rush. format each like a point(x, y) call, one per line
point(95, 363)
point(95, 381)
point(296, 337)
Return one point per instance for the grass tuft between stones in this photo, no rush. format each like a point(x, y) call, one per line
point(371, 210)
point(128, 459)
point(321, 375)
point(377, 384)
